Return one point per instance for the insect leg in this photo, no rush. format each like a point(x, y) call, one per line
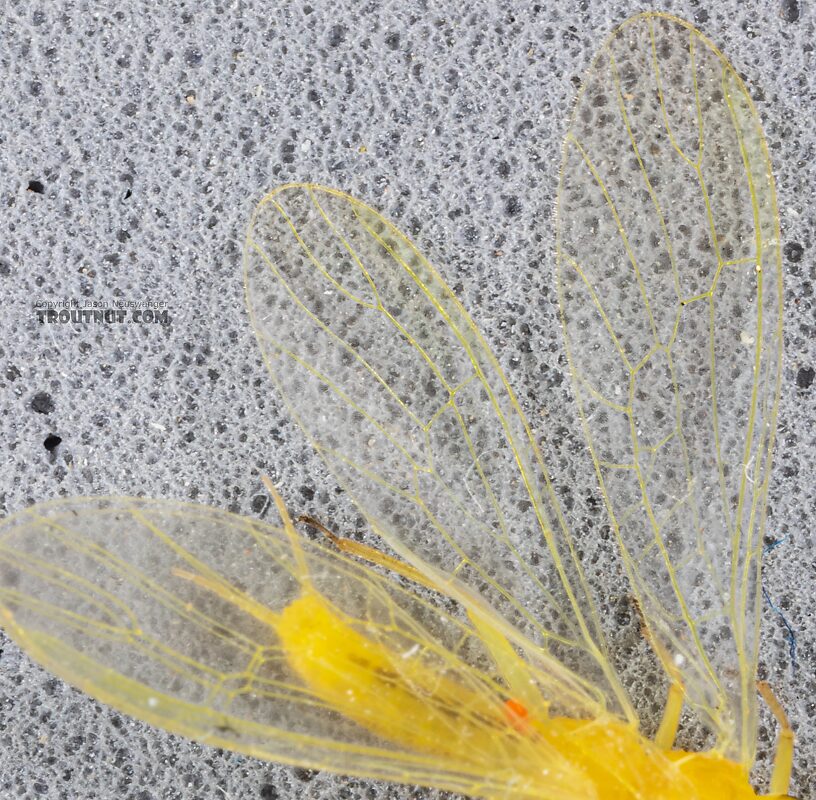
point(291, 533)
point(667, 731)
point(783, 760)
point(371, 554)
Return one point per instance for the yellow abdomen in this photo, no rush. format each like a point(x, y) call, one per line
point(467, 726)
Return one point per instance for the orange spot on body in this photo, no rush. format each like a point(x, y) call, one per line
point(517, 714)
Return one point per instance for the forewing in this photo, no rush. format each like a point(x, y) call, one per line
point(669, 278)
point(398, 392)
point(101, 592)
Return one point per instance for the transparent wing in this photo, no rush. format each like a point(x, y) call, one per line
point(241, 635)
point(398, 392)
point(669, 278)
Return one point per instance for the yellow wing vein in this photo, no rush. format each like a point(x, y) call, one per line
point(739, 619)
point(662, 102)
point(621, 232)
point(644, 174)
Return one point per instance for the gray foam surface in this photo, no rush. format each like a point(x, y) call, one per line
point(150, 133)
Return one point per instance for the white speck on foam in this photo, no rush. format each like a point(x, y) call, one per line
point(412, 651)
point(679, 659)
point(152, 702)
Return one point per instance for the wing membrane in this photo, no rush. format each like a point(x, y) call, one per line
point(398, 392)
point(183, 616)
point(669, 277)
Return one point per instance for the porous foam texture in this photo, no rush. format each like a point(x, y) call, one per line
point(135, 142)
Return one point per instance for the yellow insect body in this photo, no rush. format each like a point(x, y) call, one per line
point(400, 699)
point(475, 658)
point(417, 708)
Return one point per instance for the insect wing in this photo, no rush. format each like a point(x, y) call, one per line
point(216, 627)
point(669, 278)
point(398, 392)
